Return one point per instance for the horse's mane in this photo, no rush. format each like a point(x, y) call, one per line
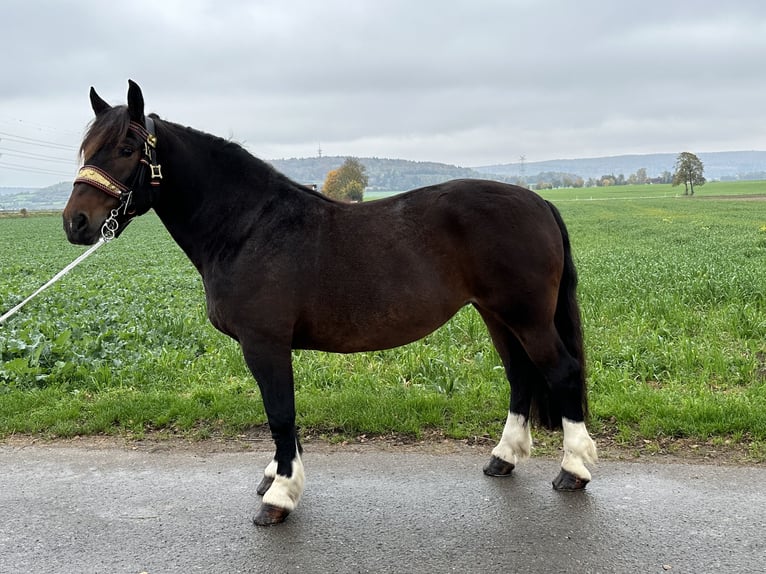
point(236, 152)
point(110, 126)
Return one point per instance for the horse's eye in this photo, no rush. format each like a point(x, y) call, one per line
point(126, 151)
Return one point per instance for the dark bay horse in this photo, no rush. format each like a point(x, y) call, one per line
point(286, 268)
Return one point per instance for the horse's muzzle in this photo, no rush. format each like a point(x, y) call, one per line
point(80, 230)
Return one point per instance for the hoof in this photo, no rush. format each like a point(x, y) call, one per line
point(498, 467)
point(264, 485)
point(568, 481)
point(269, 514)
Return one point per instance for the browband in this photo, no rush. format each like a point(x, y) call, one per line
point(98, 178)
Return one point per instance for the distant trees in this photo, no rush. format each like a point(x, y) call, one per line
point(348, 182)
point(689, 171)
point(638, 178)
point(553, 180)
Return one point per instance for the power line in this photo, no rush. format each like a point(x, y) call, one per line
point(37, 126)
point(37, 142)
point(35, 161)
point(30, 155)
point(28, 169)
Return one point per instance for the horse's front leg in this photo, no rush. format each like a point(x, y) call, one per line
point(283, 480)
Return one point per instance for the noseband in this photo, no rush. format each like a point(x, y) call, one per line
point(98, 178)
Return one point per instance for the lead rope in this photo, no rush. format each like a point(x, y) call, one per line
point(55, 278)
point(108, 232)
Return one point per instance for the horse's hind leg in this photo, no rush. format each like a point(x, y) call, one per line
point(579, 448)
point(565, 378)
point(516, 440)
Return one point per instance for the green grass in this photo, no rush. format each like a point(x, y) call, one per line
point(673, 293)
point(674, 300)
point(655, 192)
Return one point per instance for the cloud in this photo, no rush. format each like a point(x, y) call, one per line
point(465, 82)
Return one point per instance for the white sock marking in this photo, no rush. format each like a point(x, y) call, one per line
point(516, 441)
point(271, 469)
point(579, 448)
point(285, 492)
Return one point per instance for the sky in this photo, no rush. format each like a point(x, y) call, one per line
point(470, 83)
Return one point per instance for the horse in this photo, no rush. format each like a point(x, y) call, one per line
point(284, 267)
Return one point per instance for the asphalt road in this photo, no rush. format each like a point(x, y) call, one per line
point(113, 510)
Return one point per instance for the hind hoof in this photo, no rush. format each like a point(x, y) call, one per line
point(269, 514)
point(567, 481)
point(498, 467)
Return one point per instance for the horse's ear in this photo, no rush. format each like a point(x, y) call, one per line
point(135, 102)
point(99, 106)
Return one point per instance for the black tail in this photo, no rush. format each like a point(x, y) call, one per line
point(545, 408)
point(567, 318)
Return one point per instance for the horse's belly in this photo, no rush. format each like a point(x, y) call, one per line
point(351, 331)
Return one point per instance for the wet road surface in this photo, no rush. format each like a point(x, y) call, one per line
point(71, 509)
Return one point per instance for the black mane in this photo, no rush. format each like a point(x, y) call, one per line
point(235, 157)
point(109, 127)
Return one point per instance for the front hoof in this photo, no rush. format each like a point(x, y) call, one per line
point(568, 481)
point(498, 467)
point(269, 514)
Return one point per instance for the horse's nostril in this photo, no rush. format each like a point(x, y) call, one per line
point(79, 222)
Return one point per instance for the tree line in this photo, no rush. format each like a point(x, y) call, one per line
point(688, 171)
point(348, 182)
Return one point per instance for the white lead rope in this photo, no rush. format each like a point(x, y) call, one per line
point(55, 278)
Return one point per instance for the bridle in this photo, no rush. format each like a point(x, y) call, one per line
point(101, 180)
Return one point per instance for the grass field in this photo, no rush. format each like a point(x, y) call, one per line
point(673, 293)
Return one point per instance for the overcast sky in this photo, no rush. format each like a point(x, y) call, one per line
point(464, 82)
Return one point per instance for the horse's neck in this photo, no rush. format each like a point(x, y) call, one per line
point(203, 205)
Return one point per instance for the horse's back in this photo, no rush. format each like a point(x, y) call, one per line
point(476, 225)
point(453, 209)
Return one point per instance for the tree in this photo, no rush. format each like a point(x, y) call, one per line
point(688, 170)
point(606, 181)
point(347, 183)
point(331, 183)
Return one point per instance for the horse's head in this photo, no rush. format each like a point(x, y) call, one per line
point(112, 187)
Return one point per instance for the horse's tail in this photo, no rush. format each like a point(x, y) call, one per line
point(569, 326)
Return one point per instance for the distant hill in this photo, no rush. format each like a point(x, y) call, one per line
point(47, 198)
point(718, 165)
point(383, 174)
point(400, 175)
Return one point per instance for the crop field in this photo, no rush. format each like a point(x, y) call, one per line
point(672, 290)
